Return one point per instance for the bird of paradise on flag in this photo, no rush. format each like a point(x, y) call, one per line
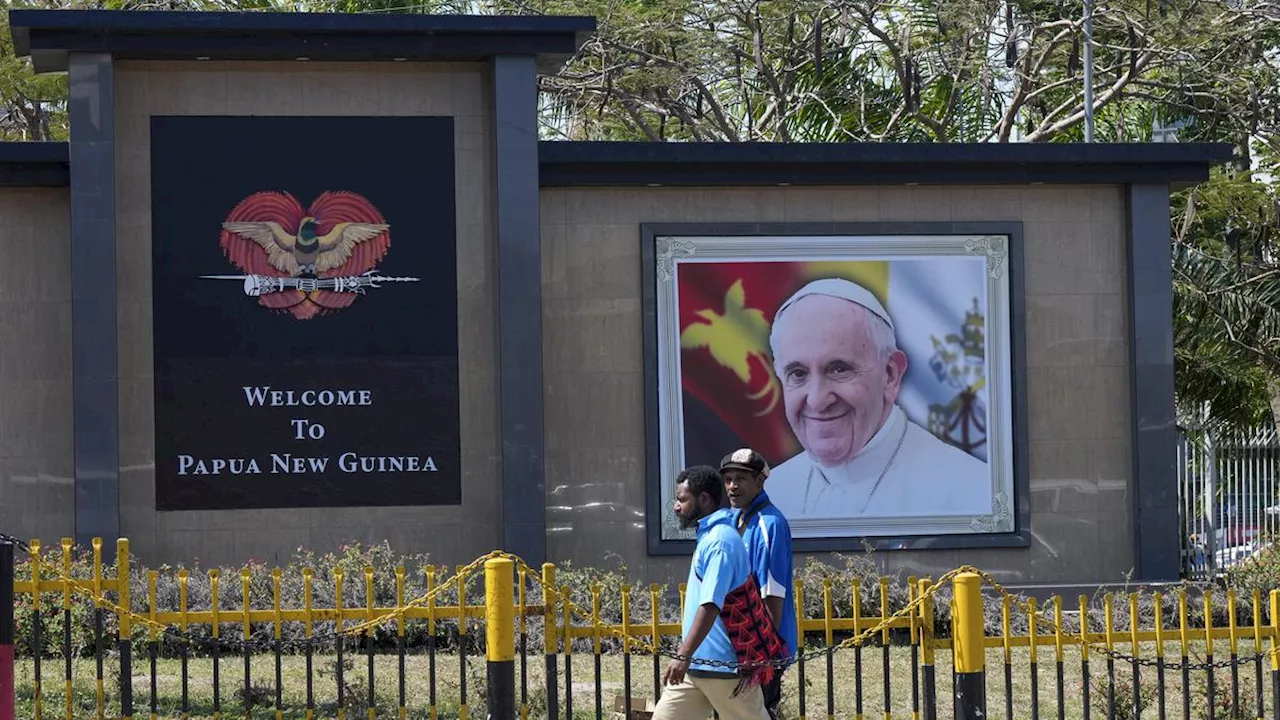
point(731, 397)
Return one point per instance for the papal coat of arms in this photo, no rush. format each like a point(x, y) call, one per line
point(306, 262)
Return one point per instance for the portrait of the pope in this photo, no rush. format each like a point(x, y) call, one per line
point(837, 358)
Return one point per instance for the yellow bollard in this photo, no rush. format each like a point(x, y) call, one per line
point(969, 653)
point(500, 646)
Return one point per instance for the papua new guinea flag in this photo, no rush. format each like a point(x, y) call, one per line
point(730, 395)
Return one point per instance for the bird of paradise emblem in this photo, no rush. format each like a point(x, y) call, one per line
point(306, 262)
point(733, 338)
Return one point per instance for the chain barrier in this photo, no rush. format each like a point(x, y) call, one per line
point(1152, 661)
point(859, 639)
point(1156, 661)
point(6, 537)
point(99, 600)
point(555, 595)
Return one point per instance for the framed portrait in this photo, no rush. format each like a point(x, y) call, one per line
point(876, 367)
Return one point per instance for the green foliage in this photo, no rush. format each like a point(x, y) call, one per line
point(1226, 298)
point(964, 70)
point(1246, 707)
point(31, 107)
point(1260, 573)
point(1102, 695)
point(352, 559)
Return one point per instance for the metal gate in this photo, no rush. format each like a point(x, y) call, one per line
point(1229, 497)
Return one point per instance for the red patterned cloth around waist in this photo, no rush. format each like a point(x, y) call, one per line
point(751, 632)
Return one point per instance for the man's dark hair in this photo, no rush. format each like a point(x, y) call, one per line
point(703, 479)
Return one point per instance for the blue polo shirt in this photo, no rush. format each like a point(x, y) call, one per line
point(719, 565)
point(767, 537)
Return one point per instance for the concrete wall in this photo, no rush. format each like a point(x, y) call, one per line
point(36, 487)
point(143, 89)
point(1077, 352)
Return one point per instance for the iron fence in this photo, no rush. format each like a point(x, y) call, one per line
point(1229, 497)
point(438, 652)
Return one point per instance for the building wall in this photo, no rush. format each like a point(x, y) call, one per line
point(144, 89)
point(1077, 356)
point(36, 486)
point(1077, 348)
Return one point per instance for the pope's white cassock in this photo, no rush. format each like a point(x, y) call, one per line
point(903, 471)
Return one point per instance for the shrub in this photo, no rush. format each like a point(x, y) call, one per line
point(1124, 697)
point(352, 559)
point(1260, 572)
point(579, 582)
point(1221, 700)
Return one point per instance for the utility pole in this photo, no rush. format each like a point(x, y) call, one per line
point(1088, 71)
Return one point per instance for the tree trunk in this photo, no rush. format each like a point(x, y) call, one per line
point(1273, 396)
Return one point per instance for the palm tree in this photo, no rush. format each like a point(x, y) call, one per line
point(1227, 300)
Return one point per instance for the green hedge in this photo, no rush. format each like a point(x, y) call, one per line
point(841, 569)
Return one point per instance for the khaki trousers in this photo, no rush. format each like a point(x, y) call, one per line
point(695, 697)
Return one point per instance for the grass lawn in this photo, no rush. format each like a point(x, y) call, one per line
point(448, 686)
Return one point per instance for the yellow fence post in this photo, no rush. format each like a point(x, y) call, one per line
point(153, 636)
point(1275, 641)
point(125, 629)
point(308, 620)
point(927, 620)
point(550, 638)
point(500, 647)
point(969, 654)
point(279, 620)
point(67, 586)
point(6, 631)
point(37, 683)
point(99, 688)
point(214, 575)
point(182, 627)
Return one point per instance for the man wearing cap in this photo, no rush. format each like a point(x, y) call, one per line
point(767, 537)
point(836, 355)
point(719, 584)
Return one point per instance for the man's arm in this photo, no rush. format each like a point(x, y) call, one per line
point(712, 591)
point(702, 624)
point(773, 604)
point(778, 570)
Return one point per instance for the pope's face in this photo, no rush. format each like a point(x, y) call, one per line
point(836, 389)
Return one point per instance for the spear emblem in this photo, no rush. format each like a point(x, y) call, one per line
point(258, 285)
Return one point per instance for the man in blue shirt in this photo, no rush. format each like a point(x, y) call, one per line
point(767, 537)
point(720, 565)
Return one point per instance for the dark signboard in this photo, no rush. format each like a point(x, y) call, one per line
point(305, 300)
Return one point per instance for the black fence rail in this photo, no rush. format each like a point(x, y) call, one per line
point(88, 640)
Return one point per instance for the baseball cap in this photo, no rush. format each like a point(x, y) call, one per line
point(745, 459)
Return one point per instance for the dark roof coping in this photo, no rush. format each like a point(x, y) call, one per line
point(683, 164)
point(568, 164)
point(34, 164)
point(47, 36)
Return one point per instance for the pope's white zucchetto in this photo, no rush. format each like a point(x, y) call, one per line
point(838, 288)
